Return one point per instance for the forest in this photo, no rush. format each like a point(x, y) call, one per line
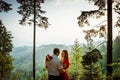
point(88, 61)
point(78, 70)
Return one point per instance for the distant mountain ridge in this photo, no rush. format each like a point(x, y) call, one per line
point(23, 55)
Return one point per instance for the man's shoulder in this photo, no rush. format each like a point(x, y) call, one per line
point(55, 58)
point(52, 61)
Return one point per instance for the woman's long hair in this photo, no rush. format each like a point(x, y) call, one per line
point(66, 56)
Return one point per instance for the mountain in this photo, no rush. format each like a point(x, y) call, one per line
point(23, 55)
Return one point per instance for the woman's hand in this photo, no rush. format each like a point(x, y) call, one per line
point(48, 57)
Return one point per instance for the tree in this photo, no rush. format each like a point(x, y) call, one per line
point(98, 13)
point(116, 69)
point(91, 65)
point(109, 38)
point(26, 9)
point(116, 48)
point(31, 12)
point(4, 6)
point(116, 59)
point(5, 48)
point(75, 70)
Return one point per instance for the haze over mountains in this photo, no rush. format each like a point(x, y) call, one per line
point(23, 55)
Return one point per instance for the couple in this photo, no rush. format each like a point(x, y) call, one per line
point(57, 69)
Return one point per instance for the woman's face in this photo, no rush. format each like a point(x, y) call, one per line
point(63, 54)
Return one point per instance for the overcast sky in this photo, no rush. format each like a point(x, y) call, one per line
point(62, 16)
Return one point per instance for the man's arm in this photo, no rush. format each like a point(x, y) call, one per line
point(60, 67)
point(61, 70)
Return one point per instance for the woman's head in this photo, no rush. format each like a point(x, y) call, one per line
point(65, 54)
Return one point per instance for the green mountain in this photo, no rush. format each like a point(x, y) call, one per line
point(23, 55)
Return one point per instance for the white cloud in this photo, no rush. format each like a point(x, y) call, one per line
point(61, 2)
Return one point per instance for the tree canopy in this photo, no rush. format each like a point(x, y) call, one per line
point(26, 9)
point(5, 48)
point(5, 39)
point(99, 29)
point(4, 6)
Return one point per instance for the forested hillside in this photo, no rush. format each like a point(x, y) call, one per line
point(24, 54)
point(23, 61)
point(23, 58)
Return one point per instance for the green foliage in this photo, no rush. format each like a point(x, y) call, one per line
point(44, 75)
point(92, 72)
point(92, 57)
point(5, 64)
point(91, 65)
point(5, 48)
point(116, 48)
point(21, 75)
point(23, 61)
point(5, 39)
point(16, 76)
point(116, 59)
point(83, 19)
point(116, 70)
point(75, 70)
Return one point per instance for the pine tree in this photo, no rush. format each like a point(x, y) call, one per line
point(4, 6)
point(116, 48)
point(26, 9)
point(32, 13)
point(116, 59)
point(75, 70)
point(91, 66)
point(100, 30)
point(116, 69)
point(5, 49)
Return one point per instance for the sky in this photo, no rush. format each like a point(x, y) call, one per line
point(63, 28)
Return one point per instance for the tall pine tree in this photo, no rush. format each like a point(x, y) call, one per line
point(75, 70)
point(32, 13)
point(101, 29)
point(5, 45)
point(91, 66)
point(5, 49)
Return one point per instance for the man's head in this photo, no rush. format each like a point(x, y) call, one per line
point(56, 51)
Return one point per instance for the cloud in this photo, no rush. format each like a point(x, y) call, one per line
point(61, 2)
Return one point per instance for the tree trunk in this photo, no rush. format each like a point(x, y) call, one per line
point(109, 39)
point(34, 42)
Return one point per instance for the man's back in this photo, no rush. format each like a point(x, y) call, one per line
point(53, 66)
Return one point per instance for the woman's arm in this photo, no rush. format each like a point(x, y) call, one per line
point(65, 66)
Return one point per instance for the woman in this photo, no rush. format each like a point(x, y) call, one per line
point(65, 62)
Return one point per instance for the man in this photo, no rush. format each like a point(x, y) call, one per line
point(54, 66)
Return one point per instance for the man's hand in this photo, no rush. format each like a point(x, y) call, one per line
point(62, 70)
